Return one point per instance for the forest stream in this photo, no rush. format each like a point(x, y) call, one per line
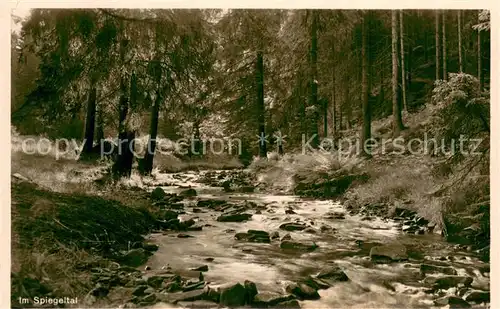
point(338, 238)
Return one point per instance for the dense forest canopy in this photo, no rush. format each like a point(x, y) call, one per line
point(97, 72)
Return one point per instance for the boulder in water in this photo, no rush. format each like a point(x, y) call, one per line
point(333, 273)
point(251, 291)
point(296, 245)
point(433, 269)
point(239, 217)
point(303, 291)
point(233, 295)
point(478, 297)
point(183, 296)
point(198, 304)
point(269, 299)
point(188, 193)
point(211, 203)
point(388, 253)
point(290, 304)
point(447, 282)
point(201, 268)
point(452, 301)
point(292, 226)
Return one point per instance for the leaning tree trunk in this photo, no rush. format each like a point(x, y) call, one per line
point(147, 163)
point(366, 133)
point(403, 71)
point(438, 46)
point(261, 109)
point(313, 103)
point(90, 120)
point(396, 110)
point(459, 19)
point(445, 68)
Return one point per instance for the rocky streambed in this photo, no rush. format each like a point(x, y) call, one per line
point(223, 246)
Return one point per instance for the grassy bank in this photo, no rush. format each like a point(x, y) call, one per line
point(65, 222)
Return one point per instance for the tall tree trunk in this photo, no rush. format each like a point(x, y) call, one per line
point(325, 117)
point(341, 108)
point(147, 167)
point(90, 120)
point(396, 111)
point(260, 103)
point(459, 20)
point(403, 71)
point(445, 68)
point(438, 46)
point(426, 46)
point(480, 58)
point(334, 103)
point(313, 99)
point(366, 133)
point(100, 125)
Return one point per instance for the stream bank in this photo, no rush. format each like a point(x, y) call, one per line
point(202, 244)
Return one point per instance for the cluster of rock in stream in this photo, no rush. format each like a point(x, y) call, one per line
point(151, 286)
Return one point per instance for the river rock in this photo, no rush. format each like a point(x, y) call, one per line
point(335, 215)
point(188, 193)
point(184, 296)
point(234, 217)
point(158, 194)
point(233, 295)
point(433, 269)
point(155, 281)
point(287, 236)
point(421, 221)
point(172, 286)
point(296, 245)
point(292, 226)
point(195, 285)
point(290, 304)
point(198, 304)
point(135, 257)
point(452, 301)
point(258, 236)
point(212, 294)
point(269, 299)
point(316, 283)
point(333, 273)
point(139, 290)
point(447, 282)
point(201, 268)
point(168, 215)
point(302, 290)
point(275, 235)
point(181, 235)
point(251, 291)
point(150, 247)
point(388, 253)
point(310, 230)
point(211, 203)
point(478, 297)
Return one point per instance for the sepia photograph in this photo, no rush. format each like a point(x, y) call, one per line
point(250, 158)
